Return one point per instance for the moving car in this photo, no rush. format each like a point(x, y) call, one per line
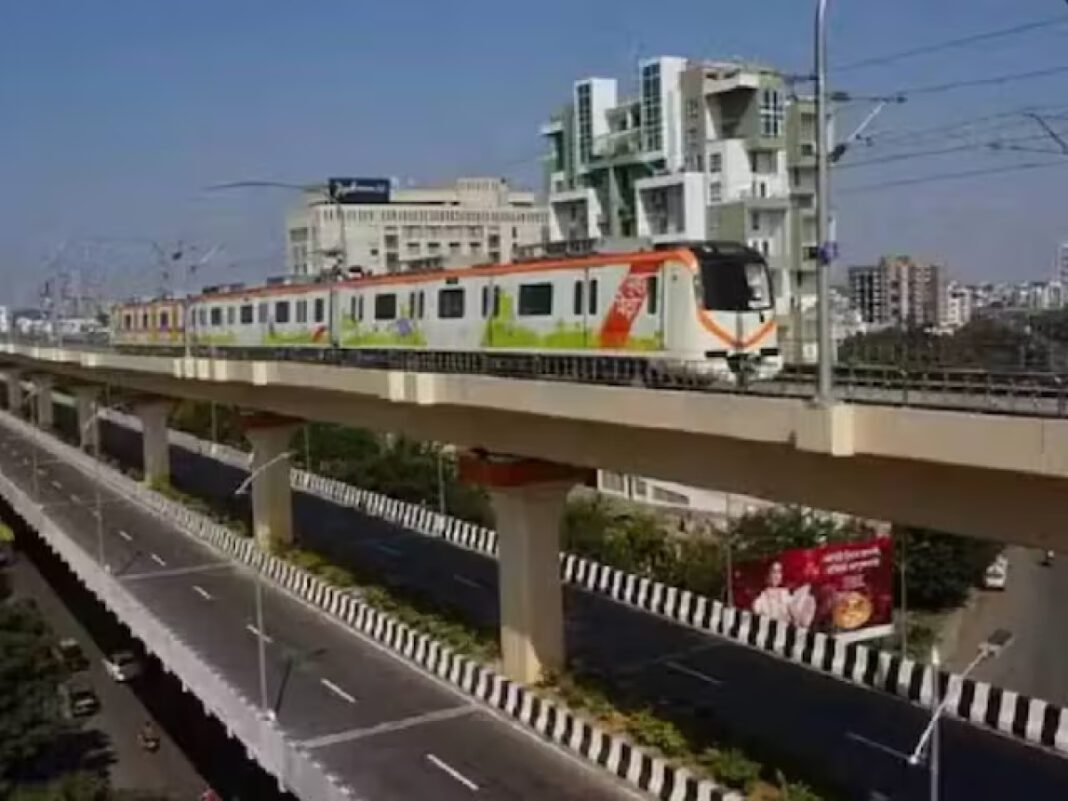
point(997, 573)
point(69, 654)
point(78, 699)
point(122, 666)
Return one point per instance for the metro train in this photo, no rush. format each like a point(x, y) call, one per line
point(702, 308)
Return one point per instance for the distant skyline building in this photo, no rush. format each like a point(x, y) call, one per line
point(899, 291)
point(701, 150)
point(387, 229)
point(1060, 273)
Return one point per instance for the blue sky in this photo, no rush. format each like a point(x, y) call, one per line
point(116, 114)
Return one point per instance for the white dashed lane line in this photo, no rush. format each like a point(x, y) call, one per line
point(466, 581)
point(256, 632)
point(57, 485)
point(125, 536)
point(156, 558)
point(696, 674)
point(203, 593)
point(453, 772)
point(337, 690)
point(387, 549)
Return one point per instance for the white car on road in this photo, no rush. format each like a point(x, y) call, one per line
point(997, 573)
point(122, 666)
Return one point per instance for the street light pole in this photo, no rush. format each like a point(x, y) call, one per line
point(98, 497)
point(990, 648)
point(824, 388)
point(261, 633)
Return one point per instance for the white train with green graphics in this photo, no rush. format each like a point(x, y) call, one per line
point(701, 308)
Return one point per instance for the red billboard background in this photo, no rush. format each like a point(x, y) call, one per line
point(844, 588)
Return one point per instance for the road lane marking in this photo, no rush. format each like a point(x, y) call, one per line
point(697, 674)
point(177, 571)
point(57, 485)
point(203, 593)
point(444, 766)
point(466, 581)
point(337, 690)
point(256, 632)
point(387, 549)
point(75, 499)
point(158, 560)
point(860, 738)
point(390, 726)
point(124, 535)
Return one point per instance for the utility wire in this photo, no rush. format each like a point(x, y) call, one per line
point(952, 176)
point(992, 144)
point(948, 44)
point(989, 81)
point(909, 134)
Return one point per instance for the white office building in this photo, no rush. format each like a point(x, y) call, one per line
point(473, 221)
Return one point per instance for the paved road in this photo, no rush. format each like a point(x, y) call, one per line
point(1032, 607)
point(390, 731)
point(167, 773)
point(807, 723)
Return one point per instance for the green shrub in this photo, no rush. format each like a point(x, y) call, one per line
point(338, 576)
point(308, 560)
point(732, 767)
point(649, 730)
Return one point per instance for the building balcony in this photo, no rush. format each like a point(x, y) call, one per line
point(730, 82)
point(551, 128)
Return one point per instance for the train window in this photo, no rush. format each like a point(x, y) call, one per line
point(320, 310)
point(247, 314)
point(352, 307)
point(144, 321)
point(422, 304)
point(485, 301)
point(578, 298)
point(261, 313)
point(451, 303)
point(535, 300)
point(216, 315)
point(593, 297)
point(386, 307)
point(359, 309)
point(652, 291)
point(231, 315)
point(302, 311)
point(127, 321)
point(164, 321)
point(281, 311)
point(203, 314)
point(411, 305)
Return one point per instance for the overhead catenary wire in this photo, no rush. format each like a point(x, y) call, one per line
point(1010, 143)
point(949, 44)
point(953, 176)
point(992, 80)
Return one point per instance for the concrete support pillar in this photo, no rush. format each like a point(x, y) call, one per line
point(14, 391)
point(156, 454)
point(272, 498)
point(44, 416)
point(528, 498)
point(86, 407)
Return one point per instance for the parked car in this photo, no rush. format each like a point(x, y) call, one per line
point(997, 573)
point(69, 654)
point(78, 699)
point(122, 665)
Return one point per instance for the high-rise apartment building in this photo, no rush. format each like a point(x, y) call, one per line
point(899, 291)
point(1060, 273)
point(702, 150)
point(368, 224)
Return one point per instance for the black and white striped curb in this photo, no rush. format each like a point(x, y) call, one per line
point(1031, 719)
point(550, 719)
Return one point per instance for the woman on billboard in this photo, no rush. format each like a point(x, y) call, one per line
point(780, 603)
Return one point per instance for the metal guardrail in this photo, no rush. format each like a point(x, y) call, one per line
point(1021, 393)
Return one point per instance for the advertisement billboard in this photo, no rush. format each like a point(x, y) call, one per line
point(845, 589)
point(359, 190)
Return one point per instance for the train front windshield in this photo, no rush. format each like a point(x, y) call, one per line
point(735, 283)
